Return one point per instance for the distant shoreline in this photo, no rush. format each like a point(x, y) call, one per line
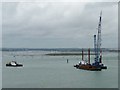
point(53, 54)
point(67, 54)
point(58, 49)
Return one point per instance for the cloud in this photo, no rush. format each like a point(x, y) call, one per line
point(0, 26)
point(43, 16)
point(53, 21)
point(60, 1)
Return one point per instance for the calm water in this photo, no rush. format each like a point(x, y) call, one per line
point(41, 71)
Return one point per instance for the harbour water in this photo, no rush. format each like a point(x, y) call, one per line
point(41, 71)
point(0, 78)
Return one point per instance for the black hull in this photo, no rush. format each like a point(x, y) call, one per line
point(18, 65)
point(104, 67)
point(88, 67)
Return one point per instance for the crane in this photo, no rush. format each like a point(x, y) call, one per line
point(97, 42)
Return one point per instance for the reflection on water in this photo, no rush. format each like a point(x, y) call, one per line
point(42, 71)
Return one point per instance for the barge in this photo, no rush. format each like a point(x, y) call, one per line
point(97, 65)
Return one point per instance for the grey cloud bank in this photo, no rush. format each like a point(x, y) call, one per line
point(58, 25)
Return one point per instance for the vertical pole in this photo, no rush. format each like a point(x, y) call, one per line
point(82, 55)
point(95, 47)
point(100, 56)
point(89, 56)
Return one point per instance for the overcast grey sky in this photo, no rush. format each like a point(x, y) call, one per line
point(58, 24)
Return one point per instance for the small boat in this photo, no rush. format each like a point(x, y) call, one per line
point(13, 64)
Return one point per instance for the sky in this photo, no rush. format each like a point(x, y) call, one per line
point(58, 24)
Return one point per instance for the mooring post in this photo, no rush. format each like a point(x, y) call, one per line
point(82, 55)
point(89, 56)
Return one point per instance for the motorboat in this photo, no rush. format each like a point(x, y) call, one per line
point(13, 64)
